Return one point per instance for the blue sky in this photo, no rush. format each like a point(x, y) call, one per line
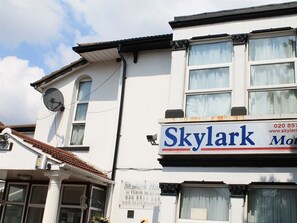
point(37, 37)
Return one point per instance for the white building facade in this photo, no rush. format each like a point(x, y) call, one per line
point(221, 95)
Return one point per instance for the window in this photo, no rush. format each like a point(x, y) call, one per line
point(15, 202)
point(71, 203)
point(272, 205)
point(36, 204)
point(205, 203)
point(82, 102)
point(97, 202)
point(272, 68)
point(208, 91)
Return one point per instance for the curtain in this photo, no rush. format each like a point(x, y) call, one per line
point(212, 53)
point(272, 74)
point(214, 200)
point(208, 105)
point(273, 102)
point(209, 78)
point(272, 48)
point(272, 206)
point(77, 135)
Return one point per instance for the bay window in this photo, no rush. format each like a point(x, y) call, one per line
point(97, 203)
point(272, 205)
point(15, 203)
point(208, 91)
point(82, 102)
point(37, 203)
point(71, 206)
point(205, 203)
point(272, 79)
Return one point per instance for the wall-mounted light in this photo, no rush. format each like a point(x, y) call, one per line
point(152, 139)
point(4, 144)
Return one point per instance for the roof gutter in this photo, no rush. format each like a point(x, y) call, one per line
point(86, 174)
point(119, 127)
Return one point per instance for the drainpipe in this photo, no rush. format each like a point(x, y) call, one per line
point(122, 96)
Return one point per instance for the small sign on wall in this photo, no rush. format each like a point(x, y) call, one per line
point(139, 194)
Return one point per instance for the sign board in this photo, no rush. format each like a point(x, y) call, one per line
point(229, 137)
point(139, 194)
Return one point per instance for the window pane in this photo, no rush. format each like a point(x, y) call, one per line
point(81, 112)
point(72, 195)
point(98, 199)
point(205, 203)
point(272, 74)
point(35, 215)
point(68, 215)
point(13, 214)
point(272, 205)
point(38, 195)
point(17, 193)
point(208, 105)
point(84, 91)
point(273, 102)
point(77, 135)
point(209, 78)
point(212, 53)
point(272, 48)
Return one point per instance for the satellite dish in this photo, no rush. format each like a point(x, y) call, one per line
point(53, 100)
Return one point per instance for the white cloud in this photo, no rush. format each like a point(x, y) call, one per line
point(19, 102)
point(62, 56)
point(30, 21)
point(113, 19)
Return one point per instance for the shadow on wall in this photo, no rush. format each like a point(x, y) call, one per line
point(53, 129)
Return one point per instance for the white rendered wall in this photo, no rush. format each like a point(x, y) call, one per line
point(55, 127)
point(146, 99)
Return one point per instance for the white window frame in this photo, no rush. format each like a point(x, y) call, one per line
point(229, 65)
point(6, 202)
point(265, 88)
point(32, 204)
point(180, 220)
point(90, 202)
point(79, 122)
point(71, 206)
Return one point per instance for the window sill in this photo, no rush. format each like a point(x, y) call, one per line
point(227, 118)
point(76, 148)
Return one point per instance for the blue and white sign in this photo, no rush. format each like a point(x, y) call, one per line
point(229, 137)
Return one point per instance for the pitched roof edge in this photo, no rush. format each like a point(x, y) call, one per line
point(127, 45)
point(59, 154)
point(64, 70)
point(262, 11)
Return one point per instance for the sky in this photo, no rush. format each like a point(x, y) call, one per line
point(37, 36)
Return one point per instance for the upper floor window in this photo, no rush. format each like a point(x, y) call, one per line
point(82, 102)
point(272, 75)
point(208, 91)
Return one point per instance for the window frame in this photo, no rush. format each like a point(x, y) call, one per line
point(34, 205)
point(269, 88)
point(264, 186)
point(197, 185)
point(6, 202)
point(90, 202)
point(76, 123)
point(69, 205)
point(221, 90)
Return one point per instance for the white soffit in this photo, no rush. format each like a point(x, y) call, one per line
point(101, 55)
